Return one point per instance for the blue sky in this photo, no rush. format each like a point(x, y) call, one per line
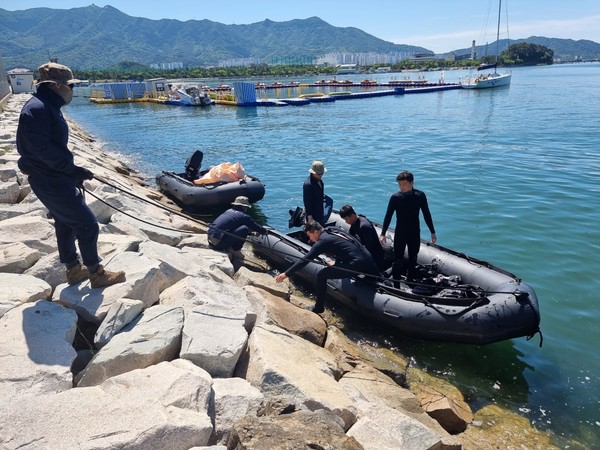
point(439, 25)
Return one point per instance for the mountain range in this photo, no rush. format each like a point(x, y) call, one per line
point(96, 37)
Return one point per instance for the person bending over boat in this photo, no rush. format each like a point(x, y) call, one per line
point(363, 230)
point(351, 257)
point(313, 193)
point(229, 231)
point(406, 204)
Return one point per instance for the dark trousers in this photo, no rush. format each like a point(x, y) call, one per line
point(402, 242)
point(73, 219)
point(233, 239)
point(335, 273)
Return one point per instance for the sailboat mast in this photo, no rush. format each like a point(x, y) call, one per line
point(498, 34)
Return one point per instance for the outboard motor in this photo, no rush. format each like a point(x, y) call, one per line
point(296, 217)
point(192, 165)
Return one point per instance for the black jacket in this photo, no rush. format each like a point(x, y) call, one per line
point(42, 138)
point(348, 252)
point(313, 192)
point(230, 220)
point(365, 232)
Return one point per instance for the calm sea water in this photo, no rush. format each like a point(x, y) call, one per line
point(512, 176)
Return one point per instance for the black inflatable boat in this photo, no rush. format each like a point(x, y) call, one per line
point(455, 298)
point(181, 188)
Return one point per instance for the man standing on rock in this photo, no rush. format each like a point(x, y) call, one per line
point(42, 137)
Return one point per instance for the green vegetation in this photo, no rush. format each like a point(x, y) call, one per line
point(527, 55)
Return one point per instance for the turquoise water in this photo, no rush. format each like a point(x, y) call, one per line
point(512, 176)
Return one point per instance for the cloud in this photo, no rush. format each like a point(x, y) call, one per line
point(579, 28)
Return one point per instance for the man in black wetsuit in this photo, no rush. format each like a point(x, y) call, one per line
point(351, 258)
point(406, 204)
point(313, 193)
point(363, 230)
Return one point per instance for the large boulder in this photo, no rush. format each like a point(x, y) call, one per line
point(18, 289)
point(281, 364)
point(349, 354)
point(155, 336)
point(178, 263)
point(266, 282)
point(50, 269)
point(389, 417)
point(161, 407)
point(273, 310)
point(217, 320)
point(33, 231)
point(16, 257)
point(9, 192)
point(233, 399)
point(143, 281)
point(120, 314)
point(301, 430)
point(441, 400)
point(35, 350)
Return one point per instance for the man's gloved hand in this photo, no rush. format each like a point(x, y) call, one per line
point(81, 173)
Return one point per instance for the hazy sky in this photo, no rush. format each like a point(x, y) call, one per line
point(439, 25)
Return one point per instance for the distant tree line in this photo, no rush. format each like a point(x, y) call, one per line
point(514, 55)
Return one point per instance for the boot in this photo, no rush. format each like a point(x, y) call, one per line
point(104, 278)
point(77, 273)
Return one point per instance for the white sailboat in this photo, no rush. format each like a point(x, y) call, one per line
point(489, 79)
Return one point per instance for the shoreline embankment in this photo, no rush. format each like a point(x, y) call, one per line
point(188, 352)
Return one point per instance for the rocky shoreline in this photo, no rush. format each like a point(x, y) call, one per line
point(188, 353)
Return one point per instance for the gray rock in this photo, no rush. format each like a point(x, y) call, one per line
point(178, 263)
point(9, 192)
point(143, 280)
point(160, 407)
point(36, 350)
point(18, 289)
point(18, 209)
point(154, 232)
point(281, 364)
point(274, 310)
point(302, 430)
point(389, 417)
point(121, 313)
point(35, 232)
point(50, 269)
point(152, 338)
point(266, 282)
point(217, 320)
point(233, 399)
point(16, 257)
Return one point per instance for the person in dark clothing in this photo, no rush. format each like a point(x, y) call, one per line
point(351, 258)
point(363, 230)
point(229, 231)
point(313, 193)
point(42, 137)
point(407, 203)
